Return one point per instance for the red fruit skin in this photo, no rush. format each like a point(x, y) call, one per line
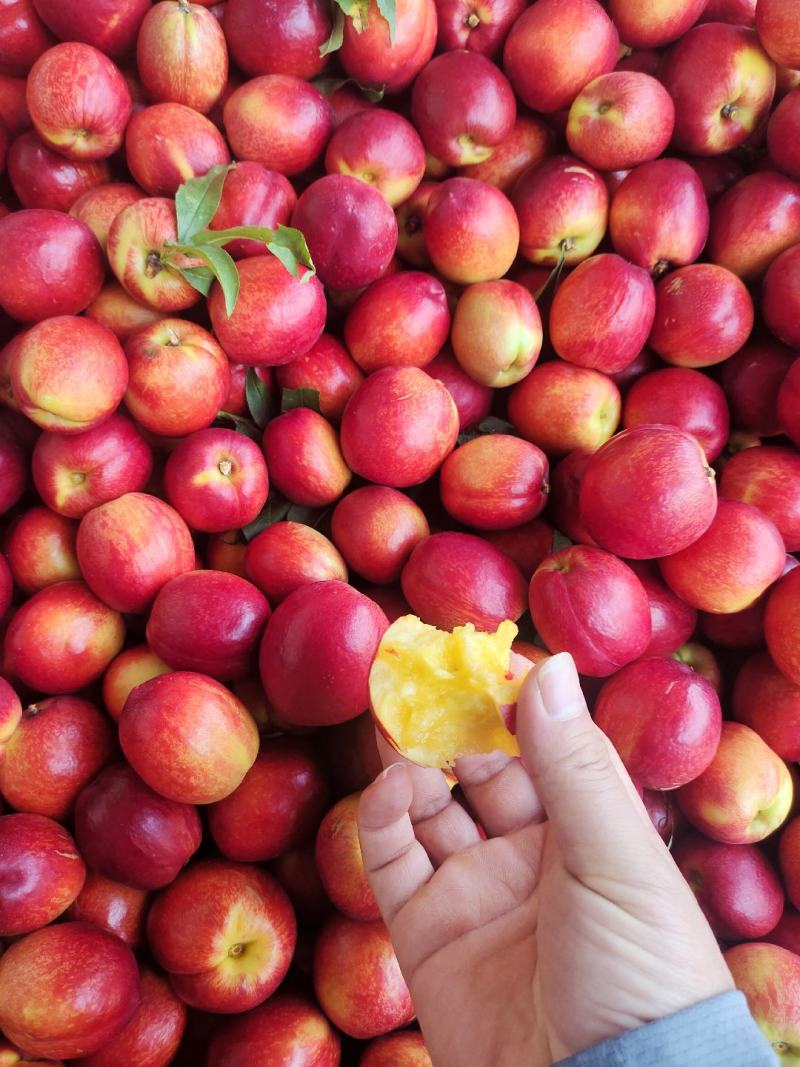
point(787, 933)
point(154, 1033)
point(67, 990)
point(210, 621)
point(40, 547)
point(752, 379)
point(53, 263)
point(663, 812)
point(375, 58)
point(466, 131)
point(44, 179)
point(277, 317)
point(329, 370)
point(129, 547)
point(659, 216)
point(780, 297)
point(663, 507)
point(304, 458)
point(753, 222)
point(216, 480)
point(198, 757)
point(565, 488)
point(711, 65)
point(376, 529)
point(100, 206)
point(74, 473)
point(589, 603)
point(398, 427)
point(40, 875)
point(644, 26)
point(788, 852)
point(277, 36)
point(340, 864)
point(62, 639)
point(277, 807)
point(704, 314)
point(217, 903)
point(287, 1027)
point(769, 703)
point(783, 132)
point(473, 401)
point(789, 403)
point(602, 313)
point(6, 596)
point(350, 229)
point(380, 148)
point(68, 374)
point(297, 873)
point(178, 379)
point(679, 396)
point(483, 30)
point(115, 309)
point(357, 979)
point(735, 885)
point(672, 621)
point(546, 76)
point(253, 196)
point(717, 173)
point(129, 833)
point(189, 144)
point(13, 474)
point(527, 545)
point(454, 578)
point(57, 749)
point(769, 479)
point(78, 101)
point(110, 25)
point(729, 566)
point(782, 626)
point(289, 554)
point(23, 37)
point(664, 720)
point(280, 121)
point(494, 482)
point(181, 56)
point(115, 907)
point(471, 231)
point(317, 651)
point(400, 320)
point(13, 109)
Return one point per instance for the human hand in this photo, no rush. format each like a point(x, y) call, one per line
point(568, 925)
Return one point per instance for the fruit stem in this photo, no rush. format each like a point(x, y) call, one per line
point(472, 21)
point(225, 467)
point(153, 264)
point(729, 110)
point(660, 267)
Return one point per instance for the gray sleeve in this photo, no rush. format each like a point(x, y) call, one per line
point(719, 1032)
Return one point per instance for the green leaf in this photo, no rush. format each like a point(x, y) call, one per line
point(307, 516)
point(494, 425)
point(222, 237)
point(275, 510)
point(554, 276)
point(223, 267)
point(200, 278)
point(197, 200)
point(334, 42)
point(257, 396)
point(387, 9)
point(560, 541)
point(328, 86)
point(289, 246)
point(299, 398)
point(241, 425)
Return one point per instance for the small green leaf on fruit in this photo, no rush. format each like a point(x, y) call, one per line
point(200, 278)
point(387, 9)
point(197, 200)
point(257, 396)
point(289, 246)
point(307, 516)
point(223, 267)
point(299, 398)
point(494, 425)
point(241, 425)
point(334, 42)
point(560, 541)
point(275, 510)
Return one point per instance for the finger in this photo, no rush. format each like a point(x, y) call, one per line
point(499, 792)
point(595, 816)
point(396, 864)
point(442, 826)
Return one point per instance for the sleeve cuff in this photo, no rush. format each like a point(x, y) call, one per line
point(719, 1032)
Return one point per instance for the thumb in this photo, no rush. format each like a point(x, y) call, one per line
point(598, 820)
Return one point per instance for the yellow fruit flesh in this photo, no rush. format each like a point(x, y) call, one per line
point(438, 696)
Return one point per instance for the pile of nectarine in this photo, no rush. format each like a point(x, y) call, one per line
point(353, 355)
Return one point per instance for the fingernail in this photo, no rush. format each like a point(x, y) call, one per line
point(388, 770)
point(561, 691)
